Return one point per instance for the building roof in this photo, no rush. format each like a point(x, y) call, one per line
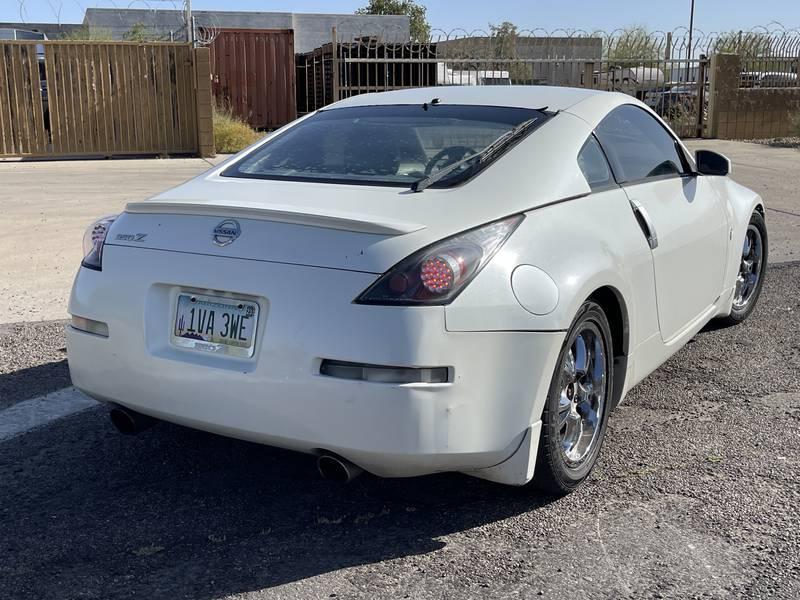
point(311, 30)
point(53, 31)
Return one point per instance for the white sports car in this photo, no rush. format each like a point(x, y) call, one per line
point(448, 279)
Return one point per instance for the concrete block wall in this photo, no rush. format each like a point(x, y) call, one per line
point(203, 98)
point(748, 113)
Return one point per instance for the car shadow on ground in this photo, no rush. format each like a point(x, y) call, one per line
point(181, 513)
point(31, 382)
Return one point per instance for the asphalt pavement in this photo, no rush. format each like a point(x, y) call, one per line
point(33, 360)
point(696, 495)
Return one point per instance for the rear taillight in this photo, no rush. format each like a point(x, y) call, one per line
point(438, 273)
point(93, 241)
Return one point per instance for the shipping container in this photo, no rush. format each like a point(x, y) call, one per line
point(253, 74)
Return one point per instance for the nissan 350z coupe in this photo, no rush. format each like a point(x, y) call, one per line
point(450, 279)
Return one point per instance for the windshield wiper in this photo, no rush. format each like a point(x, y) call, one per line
point(496, 146)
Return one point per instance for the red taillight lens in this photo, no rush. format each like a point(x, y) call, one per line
point(438, 273)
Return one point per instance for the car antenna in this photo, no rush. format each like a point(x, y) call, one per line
point(434, 102)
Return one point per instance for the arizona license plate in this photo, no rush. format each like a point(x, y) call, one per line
point(216, 325)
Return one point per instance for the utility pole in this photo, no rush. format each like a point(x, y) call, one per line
point(689, 49)
point(190, 25)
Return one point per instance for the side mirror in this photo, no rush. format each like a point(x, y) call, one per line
point(712, 163)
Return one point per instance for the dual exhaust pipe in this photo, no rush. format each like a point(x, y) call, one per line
point(330, 466)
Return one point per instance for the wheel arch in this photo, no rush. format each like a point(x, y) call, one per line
point(613, 304)
point(740, 203)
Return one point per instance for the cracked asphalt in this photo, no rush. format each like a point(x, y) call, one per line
point(696, 495)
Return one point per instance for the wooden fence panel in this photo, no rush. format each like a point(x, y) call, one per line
point(22, 116)
point(63, 98)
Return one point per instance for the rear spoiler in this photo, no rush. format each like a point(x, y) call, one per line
point(294, 215)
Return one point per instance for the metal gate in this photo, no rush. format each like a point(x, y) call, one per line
point(676, 89)
point(662, 72)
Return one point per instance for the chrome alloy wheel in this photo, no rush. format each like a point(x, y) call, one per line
point(749, 268)
point(583, 394)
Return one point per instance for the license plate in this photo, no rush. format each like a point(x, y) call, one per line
point(215, 325)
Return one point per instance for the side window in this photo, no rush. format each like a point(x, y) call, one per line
point(594, 165)
point(637, 145)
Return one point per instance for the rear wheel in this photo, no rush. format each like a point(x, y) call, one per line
point(577, 405)
point(752, 269)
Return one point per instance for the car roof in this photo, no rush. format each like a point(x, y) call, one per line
point(587, 104)
point(521, 96)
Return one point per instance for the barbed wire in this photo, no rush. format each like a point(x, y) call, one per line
point(773, 39)
point(22, 11)
point(207, 31)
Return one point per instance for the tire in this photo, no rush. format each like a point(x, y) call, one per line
point(561, 466)
point(756, 242)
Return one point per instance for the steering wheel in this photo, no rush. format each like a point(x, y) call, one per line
point(452, 154)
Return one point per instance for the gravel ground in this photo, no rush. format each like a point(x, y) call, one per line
point(33, 360)
point(695, 495)
point(781, 142)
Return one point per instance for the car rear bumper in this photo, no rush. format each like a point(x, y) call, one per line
point(497, 385)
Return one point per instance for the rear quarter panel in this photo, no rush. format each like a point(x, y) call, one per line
point(582, 244)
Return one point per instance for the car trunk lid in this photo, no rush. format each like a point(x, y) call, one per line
point(365, 228)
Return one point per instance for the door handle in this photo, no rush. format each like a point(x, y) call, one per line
point(645, 223)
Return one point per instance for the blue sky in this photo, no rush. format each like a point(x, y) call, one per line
point(710, 15)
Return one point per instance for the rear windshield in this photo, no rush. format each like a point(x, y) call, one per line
point(383, 145)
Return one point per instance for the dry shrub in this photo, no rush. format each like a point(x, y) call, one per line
point(231, 134)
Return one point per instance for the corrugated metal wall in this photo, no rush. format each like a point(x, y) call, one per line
point(253, 73)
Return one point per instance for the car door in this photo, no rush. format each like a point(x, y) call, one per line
point(637, 264)
point(679, 213)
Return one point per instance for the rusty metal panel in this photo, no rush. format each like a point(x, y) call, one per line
point(253, 74)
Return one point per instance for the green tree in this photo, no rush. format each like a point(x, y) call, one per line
point(504, 39)
point(635, 43)
point(420, 29)
point(137, 33)
point(755, 49)
point(749, 45)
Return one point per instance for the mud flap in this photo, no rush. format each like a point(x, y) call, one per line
point(518, 468)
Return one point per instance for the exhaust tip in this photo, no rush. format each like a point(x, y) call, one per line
point(337, 469)
point(122, 421)
point(128, 422)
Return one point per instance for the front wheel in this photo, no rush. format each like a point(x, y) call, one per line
point(752, 269)
point(577, 406)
